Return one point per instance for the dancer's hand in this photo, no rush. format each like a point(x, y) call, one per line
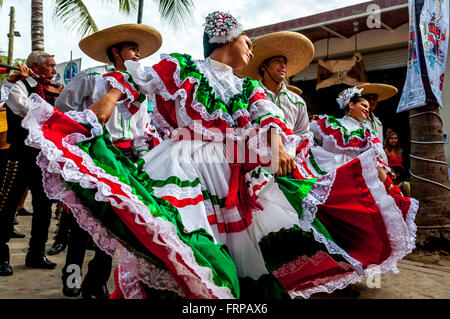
point(104, 107)
point(282, 162)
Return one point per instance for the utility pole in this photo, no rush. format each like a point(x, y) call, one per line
point(11, 36)
point(140, 11)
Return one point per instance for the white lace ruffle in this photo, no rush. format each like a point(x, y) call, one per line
point(316, 196)
point(132, 274)
point(401, 235)
point(124, 104)
point(258, 144)
point(225, 85)
point(158, 227)
point(410, 223)
point(397, 230)
point(315, 127)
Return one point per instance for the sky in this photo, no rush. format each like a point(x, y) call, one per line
point(185, 39)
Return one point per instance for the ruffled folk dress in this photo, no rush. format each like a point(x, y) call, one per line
point(192, 223)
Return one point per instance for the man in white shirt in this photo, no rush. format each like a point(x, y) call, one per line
point(21, 170)
point(278, 56)
point(113, 45)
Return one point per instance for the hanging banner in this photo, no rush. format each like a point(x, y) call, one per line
point(67, 71)
point(434, 23)
point(413, 94)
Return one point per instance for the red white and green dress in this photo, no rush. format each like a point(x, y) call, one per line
point(187, 221)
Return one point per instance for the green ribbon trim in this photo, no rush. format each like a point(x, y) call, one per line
point(205, 93)
point(206, 252)
point(345, 133)
point(259, 118)
point(315, 165)
point(295, 191)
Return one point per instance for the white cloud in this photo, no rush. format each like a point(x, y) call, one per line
point(60, 42)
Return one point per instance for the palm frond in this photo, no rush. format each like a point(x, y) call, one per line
point(75, 16)
point(175, 12)
point(125, 6)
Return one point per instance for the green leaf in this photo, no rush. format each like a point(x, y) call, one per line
point(175, 12)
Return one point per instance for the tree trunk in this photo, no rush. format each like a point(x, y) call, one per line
point(37, 25)
point(433, 218)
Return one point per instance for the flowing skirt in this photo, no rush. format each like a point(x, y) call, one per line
point(165, 215)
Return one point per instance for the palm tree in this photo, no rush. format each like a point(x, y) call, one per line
point(76, 17)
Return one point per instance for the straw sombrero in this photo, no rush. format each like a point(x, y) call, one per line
point(297, 48)
point(294, 89)
point(147, 38)
point(383, 91)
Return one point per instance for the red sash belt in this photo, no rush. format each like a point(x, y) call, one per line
point(122, 144)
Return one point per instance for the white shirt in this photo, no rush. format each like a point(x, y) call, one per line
point(5, 88)
point(375, 125)
point(87, 88)
point(17, 99)
point(293, 107)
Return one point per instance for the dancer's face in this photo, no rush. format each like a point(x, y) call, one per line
point(373, 101)
point(359, 110)
point(130, 51)
point(240, 52)
point(276, 67)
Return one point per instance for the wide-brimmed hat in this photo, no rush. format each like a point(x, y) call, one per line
point(297, 48)
point(294, 89)
point(383, 91)
point(147, 38)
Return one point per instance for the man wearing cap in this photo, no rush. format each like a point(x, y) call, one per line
point(90, 91)
point(374, 93)
point(278, 56)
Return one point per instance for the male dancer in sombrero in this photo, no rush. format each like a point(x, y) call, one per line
point(201, 220)
point(374, 93)
point(112, 45)
point(277, 56)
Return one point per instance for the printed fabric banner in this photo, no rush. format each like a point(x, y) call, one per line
point(413, 94)
point(64, 73)
point(434, 23)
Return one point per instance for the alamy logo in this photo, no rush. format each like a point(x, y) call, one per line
point(73, 280)
point(374, 19)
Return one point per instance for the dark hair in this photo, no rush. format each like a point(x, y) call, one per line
point(266, 63)
point(399, 171)
point(388, 146)
point(354, 99)
point(209, 48)
point(119, 47)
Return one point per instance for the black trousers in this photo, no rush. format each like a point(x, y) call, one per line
point(20, 171)
point(99, 268)
point(62, 235)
